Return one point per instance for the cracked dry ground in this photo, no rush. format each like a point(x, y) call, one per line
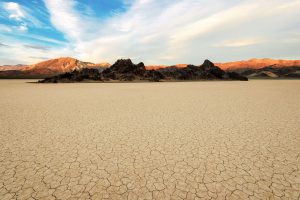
point(189, 140)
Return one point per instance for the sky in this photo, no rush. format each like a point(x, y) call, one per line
point(152, 31)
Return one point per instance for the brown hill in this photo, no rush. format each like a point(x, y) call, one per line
point(49, 67)
point(61, 65)
point(258, 64)
point(244, 64)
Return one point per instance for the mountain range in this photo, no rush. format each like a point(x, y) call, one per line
point(253, 68)
point(124, 70)
point(258, 64)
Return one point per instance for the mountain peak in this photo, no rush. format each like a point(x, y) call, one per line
point(61, 65)
point(124, 66)
point(208, 64)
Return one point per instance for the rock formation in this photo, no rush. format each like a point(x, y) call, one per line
point(206, 71)
point(75, 76)
point(253, 68)
point(125, 70)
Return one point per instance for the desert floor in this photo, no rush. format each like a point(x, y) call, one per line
point(181, 140)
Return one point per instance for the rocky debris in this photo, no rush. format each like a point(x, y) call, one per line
point(125, 70)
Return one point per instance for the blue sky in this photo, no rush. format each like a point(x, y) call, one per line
point(153, 31)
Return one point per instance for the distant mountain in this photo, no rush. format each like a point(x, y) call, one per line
point(66, 64)
point(61, 65)
point(272, 72)
point(264, 68)
point(258, 64)
point(125, 70)
point(48, 68)
point(12, 67)
point(242, 65)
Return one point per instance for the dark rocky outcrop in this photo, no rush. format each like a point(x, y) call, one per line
point(75, 76)
point(210, 69)
point(236, 76)
point(125, 70)
point(154, 76)
point(206, 71)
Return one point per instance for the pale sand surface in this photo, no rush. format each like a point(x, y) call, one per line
point(188, 140)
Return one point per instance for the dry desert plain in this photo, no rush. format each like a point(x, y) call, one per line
point(179, 140)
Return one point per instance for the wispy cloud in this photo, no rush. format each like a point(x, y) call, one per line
point(5, 28)
point(167, 31)
point(241, 42)
point(39, 58)
point(46, 39)
point(22, 50)
point(172, 31)
point(15, 11)
point(37, 47)
point(22, 15)
point(3, 45)
point(74, 24)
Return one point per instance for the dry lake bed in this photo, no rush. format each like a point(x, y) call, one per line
point(181, 140)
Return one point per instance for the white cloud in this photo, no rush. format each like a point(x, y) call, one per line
point(176, 31)
point(241, 42)
point(22, 15)
point(72, 23)
point(23, 27)
point(17, 13)
point(15, 10)
point(5, 28)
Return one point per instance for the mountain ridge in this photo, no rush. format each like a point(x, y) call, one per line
point(68, 64)
point(124, 70)
point(255, 63)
